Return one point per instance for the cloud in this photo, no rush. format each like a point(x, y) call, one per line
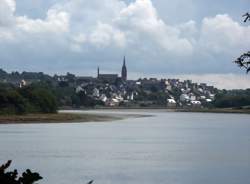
point(76, 34)
point(221, 81)
point(115, 23)
point(55, 22)
point(105, 34)
point(7, 8)
point(221, 34)
point(141, 18)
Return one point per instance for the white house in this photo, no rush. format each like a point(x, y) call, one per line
point(171, 103)
point(184, 98)
point(195, 103)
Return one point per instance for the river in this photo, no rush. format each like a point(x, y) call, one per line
point(167, 148)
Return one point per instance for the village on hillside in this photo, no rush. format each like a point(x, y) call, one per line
point(112, 90)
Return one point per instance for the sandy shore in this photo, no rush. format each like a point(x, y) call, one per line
point(56, 118)
point(198, 110)
point(103, 115)
point(232, 111)
point(65, 117)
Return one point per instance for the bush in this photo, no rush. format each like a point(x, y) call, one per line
point(31, 99)
point(232, 101)
point(12, 177)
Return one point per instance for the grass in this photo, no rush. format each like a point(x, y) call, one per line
point(216, 110)
point(54, 118)
point(72, 118)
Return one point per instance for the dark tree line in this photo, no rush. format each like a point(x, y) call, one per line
point(27, 177)
point(12, 177)
point(233, 99)
point(31, 99)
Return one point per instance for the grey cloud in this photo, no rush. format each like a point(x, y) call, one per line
point(79, 35)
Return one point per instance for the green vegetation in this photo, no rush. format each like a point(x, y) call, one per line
point(55, 118)
point(12, 177)
point(233, 99)
point(81, 99)
point(35, 98)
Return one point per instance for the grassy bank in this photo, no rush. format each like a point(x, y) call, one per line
point(164, 109)
point(85, 117)
point(55, 118)
point(226, 110)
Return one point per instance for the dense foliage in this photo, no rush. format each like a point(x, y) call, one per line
point(31, 99)
point(233, 98)
point(36, 76)
point(12, 177)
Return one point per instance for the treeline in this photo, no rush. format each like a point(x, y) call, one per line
point(233, 99)
point(35, 98)
point(23, 75)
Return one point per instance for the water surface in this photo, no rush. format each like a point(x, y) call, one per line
point(174, 148)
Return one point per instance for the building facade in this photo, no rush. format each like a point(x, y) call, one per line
point(112, 78)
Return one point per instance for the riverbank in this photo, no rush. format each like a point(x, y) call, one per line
point(56, 118)
point(229, 110)
point(67, 117)
point(86, 116)
point(164, 109)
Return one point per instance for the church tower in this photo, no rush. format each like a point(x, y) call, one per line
point(124, 70)
point(98, 72)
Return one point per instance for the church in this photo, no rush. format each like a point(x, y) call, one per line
point(113, 78)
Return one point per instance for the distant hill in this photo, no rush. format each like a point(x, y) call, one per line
point(24, 75)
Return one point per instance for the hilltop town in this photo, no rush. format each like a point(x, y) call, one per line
point(113, 90)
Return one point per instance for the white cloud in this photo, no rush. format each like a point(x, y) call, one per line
point(141, 18)
point(56, 22)
point(189, 30)
point(92, 31)
point(105, 34)
point(222, 34)
point(7, 20)
point(7, 8)
point(113, 24)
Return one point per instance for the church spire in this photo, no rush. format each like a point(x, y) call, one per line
point(98, 72)
point(124, 70)
point(124, 61)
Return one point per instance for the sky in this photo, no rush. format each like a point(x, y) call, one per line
point(188, 39)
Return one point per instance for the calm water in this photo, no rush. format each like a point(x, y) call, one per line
point(169, 148)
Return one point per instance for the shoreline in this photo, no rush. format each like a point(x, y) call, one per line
point(56, 118)
point(220, 111)
point(163, 109)
point(85, 117)
point(65, 117)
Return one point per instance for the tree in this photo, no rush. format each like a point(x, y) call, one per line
point(40, 99)
point(11, 102)
point(244, 60)
point(12, 177)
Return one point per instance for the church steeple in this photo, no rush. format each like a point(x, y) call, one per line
point(124, 61)
point(98, 72)
point(124, 70)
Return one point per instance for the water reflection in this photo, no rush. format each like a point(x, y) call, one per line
point(176, 148)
